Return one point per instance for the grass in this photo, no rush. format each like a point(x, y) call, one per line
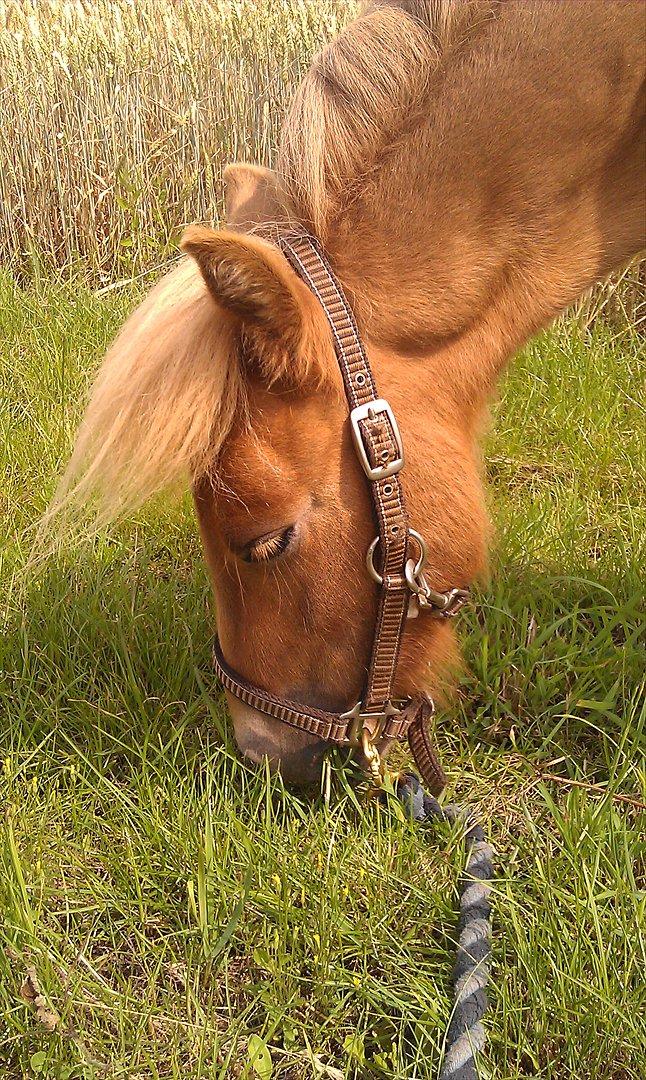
point(119, 117)
point(185, 916)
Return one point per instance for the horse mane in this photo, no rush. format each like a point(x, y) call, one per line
point(162, 404)
point(362, 94)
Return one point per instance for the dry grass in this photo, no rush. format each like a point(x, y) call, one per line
point(118, 118)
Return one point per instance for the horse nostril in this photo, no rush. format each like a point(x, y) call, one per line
point(297, 755)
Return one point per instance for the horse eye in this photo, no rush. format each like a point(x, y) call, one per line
point(269, 547)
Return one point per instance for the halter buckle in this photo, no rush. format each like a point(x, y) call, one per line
point(365, 731)
point(370, 411)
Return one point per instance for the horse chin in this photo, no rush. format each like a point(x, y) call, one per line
point(297, 755)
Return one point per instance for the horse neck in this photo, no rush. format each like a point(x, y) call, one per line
point(508, 201)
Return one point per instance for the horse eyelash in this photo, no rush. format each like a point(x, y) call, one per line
point(270, 547)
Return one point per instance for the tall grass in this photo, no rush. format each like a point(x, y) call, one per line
point(180, 910)
point(117, 118)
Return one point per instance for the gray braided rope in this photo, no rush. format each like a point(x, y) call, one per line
point(465, 1035)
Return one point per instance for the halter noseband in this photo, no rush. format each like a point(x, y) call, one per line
point(403, 589)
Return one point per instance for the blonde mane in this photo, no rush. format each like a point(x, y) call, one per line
point(364, 93)
point(162, 404)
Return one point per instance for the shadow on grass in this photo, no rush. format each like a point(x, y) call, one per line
point(555, 665)
point(113, 650)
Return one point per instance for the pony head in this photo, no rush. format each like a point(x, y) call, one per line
point(459, 219)
point(226, 375)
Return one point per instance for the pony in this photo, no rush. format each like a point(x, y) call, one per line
point(470, 167)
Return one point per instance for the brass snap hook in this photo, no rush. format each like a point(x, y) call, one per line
point(373, 757)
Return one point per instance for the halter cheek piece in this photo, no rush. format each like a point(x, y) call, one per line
point(399, 551)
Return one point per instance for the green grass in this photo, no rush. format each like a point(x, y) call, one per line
point(177, 906)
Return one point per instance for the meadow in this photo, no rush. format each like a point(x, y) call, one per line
point(166, 911)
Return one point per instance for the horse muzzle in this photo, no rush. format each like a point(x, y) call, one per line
point(296, 754)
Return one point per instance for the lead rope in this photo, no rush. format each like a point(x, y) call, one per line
point(465, 1036)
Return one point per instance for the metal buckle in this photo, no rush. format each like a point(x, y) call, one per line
point(370, 723)
point(439, 605)
point(369, 411)
point(455, 600)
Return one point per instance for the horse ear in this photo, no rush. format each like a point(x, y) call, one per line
point(251, 196)
point(252, 279)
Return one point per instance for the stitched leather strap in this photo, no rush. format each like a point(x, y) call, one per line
point(333, 727)
point(422, 748)
point(377, 429)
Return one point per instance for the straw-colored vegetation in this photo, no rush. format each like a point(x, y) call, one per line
point(118, 116)
point(166, 913)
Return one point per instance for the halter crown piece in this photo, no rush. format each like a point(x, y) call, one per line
point(400, 553)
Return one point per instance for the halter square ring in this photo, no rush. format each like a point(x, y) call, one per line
point(370, 411)
point(371, 721)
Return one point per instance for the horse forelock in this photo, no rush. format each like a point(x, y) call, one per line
point(162, 404)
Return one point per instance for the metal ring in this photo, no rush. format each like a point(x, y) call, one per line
point(370, 557)
point(422, 550)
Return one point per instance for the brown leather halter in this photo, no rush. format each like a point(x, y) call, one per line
point(403, 590)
